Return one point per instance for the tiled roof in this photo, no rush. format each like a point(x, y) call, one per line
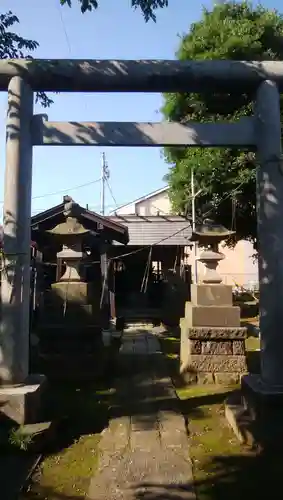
point(156, 230)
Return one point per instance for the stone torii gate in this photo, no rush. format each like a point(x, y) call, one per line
point(260, 133)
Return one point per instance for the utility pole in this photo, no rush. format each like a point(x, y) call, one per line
point(193, 195)
point(105, 174)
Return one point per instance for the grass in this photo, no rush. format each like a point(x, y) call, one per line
point(222, 468)
point(72, 456)
point(252, 344)
point(19, 439)
point(68, 472)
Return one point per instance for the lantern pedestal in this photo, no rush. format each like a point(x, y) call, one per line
point(212, 340)
point(70, 329)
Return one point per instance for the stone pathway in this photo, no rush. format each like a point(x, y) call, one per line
point(144, 453)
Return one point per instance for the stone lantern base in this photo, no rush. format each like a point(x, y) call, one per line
point(212, 340)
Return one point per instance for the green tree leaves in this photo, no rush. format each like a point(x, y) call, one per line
point(236, 31)
point(148, 7)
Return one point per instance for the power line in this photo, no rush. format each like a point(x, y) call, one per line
point(157, 242)
point(90, 207)
point(173, 234)
point(111, 193)
point(66, 190)
point(64, 27)
point(63, 190)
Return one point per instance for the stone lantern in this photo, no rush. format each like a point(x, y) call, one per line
point(212, 339)
point(71, 287)
point(209, 235)
point(70, 233)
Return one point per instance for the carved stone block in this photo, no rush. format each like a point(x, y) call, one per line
point(238, 347)
point(216, 347)
point(218, 363)
point(207, 333)
point(227, 378)
point(195, 346)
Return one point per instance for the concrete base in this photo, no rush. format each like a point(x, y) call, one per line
point(22, 403)
point(212, 316)
point(256, 415)
point(78, 292)
point(211, 295)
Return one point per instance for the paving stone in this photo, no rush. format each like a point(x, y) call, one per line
point(144, 455)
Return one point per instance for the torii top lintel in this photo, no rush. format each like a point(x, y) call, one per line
point(73, 75)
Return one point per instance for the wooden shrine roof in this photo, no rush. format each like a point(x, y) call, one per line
point(115, 230)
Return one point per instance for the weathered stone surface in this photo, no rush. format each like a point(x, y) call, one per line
point(195, 346)
point(205, 378)
point(211, 295)
point(77, 292)
point(218, 363)
point(227, 378)
point(184, 347)
point(214, 347)
point(211, 316)
point(239, 347)
point(159, 473)
point(214, 332)
point(189, 377)
point(22, 403)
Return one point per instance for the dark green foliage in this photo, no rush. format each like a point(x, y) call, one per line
point(13, 46)
point(236, 31)
point(148, 7)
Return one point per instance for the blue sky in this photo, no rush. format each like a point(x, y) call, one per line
point(114, 31)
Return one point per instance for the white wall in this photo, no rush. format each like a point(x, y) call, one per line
point(158, 202)
point(126, 210)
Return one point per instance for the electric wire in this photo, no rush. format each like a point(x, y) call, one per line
point(54, 193)
point(111, 192)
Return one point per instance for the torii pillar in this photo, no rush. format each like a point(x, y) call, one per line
point(17, 387)
point(264, 394)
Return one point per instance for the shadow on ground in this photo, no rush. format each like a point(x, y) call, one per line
point(233, 477)
point(86, 409)
point(227, 477)
point(78, 410)
point(46, 493)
